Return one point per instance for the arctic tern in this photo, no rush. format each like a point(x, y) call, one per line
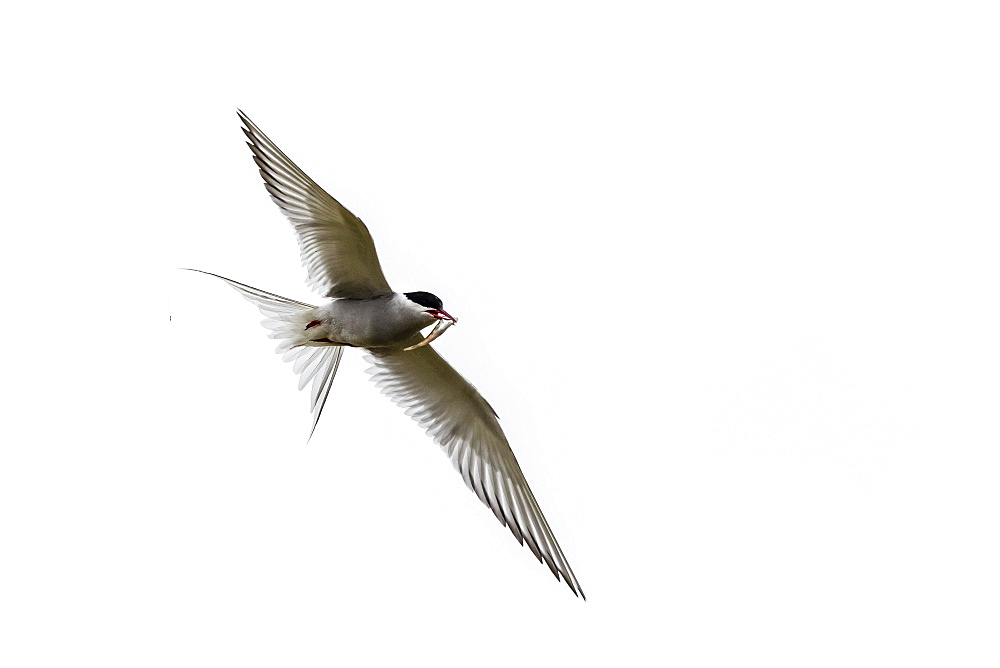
point(364, 312)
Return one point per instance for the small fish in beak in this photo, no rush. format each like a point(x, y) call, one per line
point(438, 330)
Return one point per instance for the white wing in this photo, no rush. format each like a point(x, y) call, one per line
point(457, 417)
point(337, 249)
point(282, 315)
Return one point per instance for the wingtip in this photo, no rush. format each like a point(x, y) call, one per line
point(574, 587)
point(248, 125)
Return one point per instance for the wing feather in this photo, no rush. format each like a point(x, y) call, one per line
point(336, 248)
point(459, 420)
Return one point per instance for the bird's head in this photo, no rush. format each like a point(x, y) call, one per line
point(429, 304)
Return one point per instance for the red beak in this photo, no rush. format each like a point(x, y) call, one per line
point(441, 314)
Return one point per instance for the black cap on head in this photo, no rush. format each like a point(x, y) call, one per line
point(425, 299)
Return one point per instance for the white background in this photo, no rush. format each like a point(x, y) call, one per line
point(728, 272)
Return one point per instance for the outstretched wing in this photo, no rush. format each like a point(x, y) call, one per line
point(336, 247)
point(282, 317)
point(457, 417)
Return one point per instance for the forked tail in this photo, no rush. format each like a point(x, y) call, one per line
point(286, 321)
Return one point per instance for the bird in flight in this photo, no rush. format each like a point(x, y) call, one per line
point(364, 312)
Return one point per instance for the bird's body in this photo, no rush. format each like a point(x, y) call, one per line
point(364, 312)
point(371, 322)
